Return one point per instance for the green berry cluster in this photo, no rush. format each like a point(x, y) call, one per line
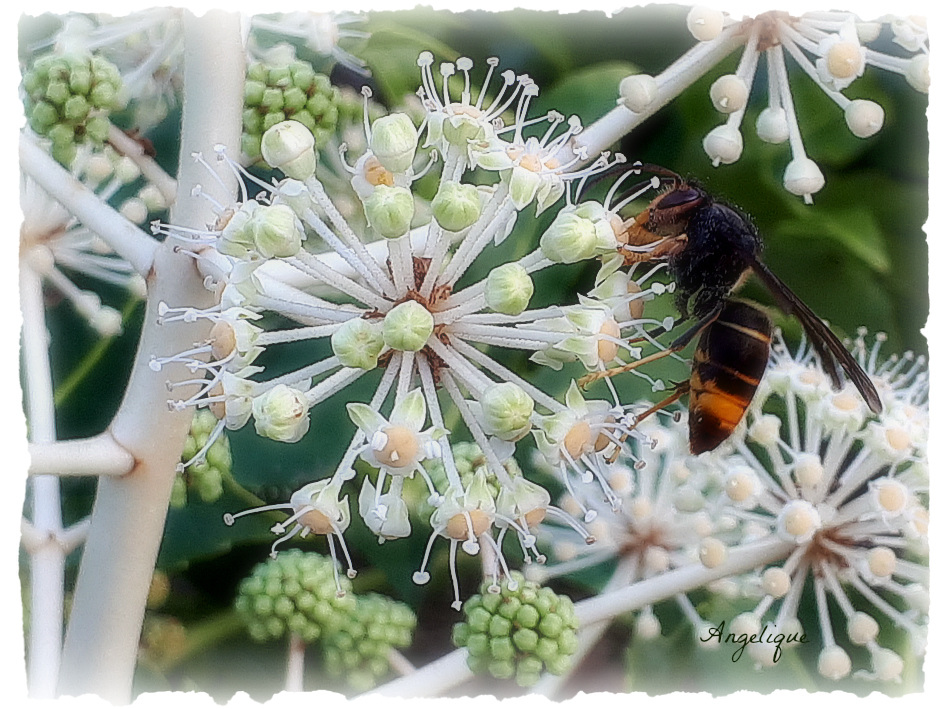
point(469, 459)
point(68, 99)
point(204, 476)
point(357, 649)
point(518, 631)
point(295, 593)
point(294, 91)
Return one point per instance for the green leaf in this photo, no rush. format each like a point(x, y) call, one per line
point(589, 93)
point(392, 52)
point(854, 228)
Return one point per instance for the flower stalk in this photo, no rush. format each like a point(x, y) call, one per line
point(129, 513)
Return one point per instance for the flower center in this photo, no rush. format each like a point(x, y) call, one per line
point(606, 347)
point(843, 59)
point(897, 438)
point(577, 440)
point(458, 527)
point(317, 521)
point(376, 174)
point(401, 448)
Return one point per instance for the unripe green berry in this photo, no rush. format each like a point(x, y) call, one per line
point(253, 92)
point(290, 146)
point(499, 626)
point(358, 343)
point(509, 289)
point(394, 141)
point(390, 210)
point(273, 118)
point(569, 239)
point(506, 411)
point(456, 206)
point(503, 646)
point(408, 326)
point(75, 109)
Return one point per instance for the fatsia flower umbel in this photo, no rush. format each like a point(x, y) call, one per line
point(829, 47)
point(393, 305)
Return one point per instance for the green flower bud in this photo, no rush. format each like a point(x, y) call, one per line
point(253, 92)
point(61, 134)
point(96, 129)
point(271, 600)
point(272, 119)
point(104, 96)
point(290, 146)
point(408, 326)
point(272, 99)
point(506, 411)
point(390, 210)
point(394, 140)
point(250, 144)
point(456, 206)
point(43, 116)
point(281, 413)
point(275, 231)
point(57, 92)
point(526, 640)
point(504, 647)
point(499, 626)
point(358, 342)
point(75, 109)
point(569, 239)
point(509, 289)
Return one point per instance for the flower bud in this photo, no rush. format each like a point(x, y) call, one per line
point(408, 326)
point(569, 239)
point(798, 521)
point(509, 288)
point(389, 210)
point(776, 582)
point(704, 23)
point(803, 178)
point(862, 628)
point(506, 411)
point(358, 342)
point(917, 73)
point(638, 91)
point(290, 146)
point(456, 206)
point(772, 125)
point(729, 93)
point(394, 140)
point(276, 231)
point(864, 118)
point(723, 144)
point(281, 414)
point(834, 663)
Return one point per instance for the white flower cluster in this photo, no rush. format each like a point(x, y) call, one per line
point(810, 466)
point(829, 47)
point(393, 305)
point(56, 245)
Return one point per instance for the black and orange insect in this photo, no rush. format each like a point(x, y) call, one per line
point(711, 248)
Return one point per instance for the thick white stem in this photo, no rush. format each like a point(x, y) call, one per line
point(129, 513)
point(47, 562)
point(123, 236)
point(99, 455)
point(685, 71)
point(295, 664)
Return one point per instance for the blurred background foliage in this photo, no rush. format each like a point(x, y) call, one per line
point(857, 256)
